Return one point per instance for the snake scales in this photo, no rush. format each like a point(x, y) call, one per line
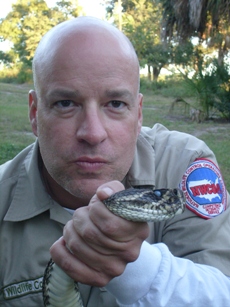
point(143, 205)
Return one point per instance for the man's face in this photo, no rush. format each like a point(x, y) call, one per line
point(87, 117)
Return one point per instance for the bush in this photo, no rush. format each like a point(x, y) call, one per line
point(211, 86)
point(9, 75)
point(25, 75)
point(16, 74)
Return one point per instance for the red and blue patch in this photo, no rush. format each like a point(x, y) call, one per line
point(204, 189)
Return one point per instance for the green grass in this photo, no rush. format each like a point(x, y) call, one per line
point(15, 130)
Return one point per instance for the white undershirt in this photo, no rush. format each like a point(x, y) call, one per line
point(158, 279)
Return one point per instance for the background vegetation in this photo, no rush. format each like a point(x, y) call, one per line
point(190, 37)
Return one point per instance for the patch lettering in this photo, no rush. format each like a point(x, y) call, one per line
point(22, 288)
point(204, 189)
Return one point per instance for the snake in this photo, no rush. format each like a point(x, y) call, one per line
point(133, 204)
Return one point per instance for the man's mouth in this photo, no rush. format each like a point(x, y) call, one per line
point(88, 164)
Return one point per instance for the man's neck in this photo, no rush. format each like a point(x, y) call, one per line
point(59, 194)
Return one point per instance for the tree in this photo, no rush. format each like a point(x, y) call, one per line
point(5, 57)
point(206, 19)
point(209, 21)
point(28, 21)
point(141, 23)
point(24, 29)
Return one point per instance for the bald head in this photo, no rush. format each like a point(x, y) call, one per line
point(86, 109)
point(89, 34)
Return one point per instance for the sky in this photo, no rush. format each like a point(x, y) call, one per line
point(91, 7)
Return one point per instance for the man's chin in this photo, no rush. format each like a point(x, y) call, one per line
point(85, 188)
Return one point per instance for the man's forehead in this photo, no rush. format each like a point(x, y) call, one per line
point(87, 40)
point(72, 93)
point(81, 29)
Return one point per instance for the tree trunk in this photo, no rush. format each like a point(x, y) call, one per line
point(221, 54)
point(149, 73)
point(156, 72)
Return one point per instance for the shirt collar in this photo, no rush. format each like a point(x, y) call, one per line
point(30, 197)
point(142, 171)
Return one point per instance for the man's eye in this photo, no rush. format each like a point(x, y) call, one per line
point(116, 104)
point(64, 103)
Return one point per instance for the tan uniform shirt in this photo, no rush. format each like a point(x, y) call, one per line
point(30, 221)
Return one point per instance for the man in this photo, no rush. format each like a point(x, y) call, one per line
point(86, 111)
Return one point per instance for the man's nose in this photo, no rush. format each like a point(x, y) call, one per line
point(91, 128)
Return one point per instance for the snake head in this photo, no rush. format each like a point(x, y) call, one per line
point(146, 204)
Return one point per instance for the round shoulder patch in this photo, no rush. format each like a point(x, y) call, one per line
point(204, 189)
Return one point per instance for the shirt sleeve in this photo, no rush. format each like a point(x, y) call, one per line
point(157, 278)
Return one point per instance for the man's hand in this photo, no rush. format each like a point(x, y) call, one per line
point(97, 245)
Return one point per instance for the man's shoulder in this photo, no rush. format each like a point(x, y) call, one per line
point(10, 173)
point(159, 135)
point(12, 167)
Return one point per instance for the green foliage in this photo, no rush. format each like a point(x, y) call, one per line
point(19, 73)
point(206, 20)
point(182, 54)
point(66, 9)
point(222, 101)
point(5, 57)
point(184, 19)
point(23, 27)
point(210, 83)
point(172, 87)
point(28, 21)
point(141, 23)
point(9, 74)
point(25, 74)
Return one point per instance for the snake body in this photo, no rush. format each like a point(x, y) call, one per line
point(139, 205)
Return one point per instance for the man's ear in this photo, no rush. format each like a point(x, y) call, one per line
point(33, 111)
